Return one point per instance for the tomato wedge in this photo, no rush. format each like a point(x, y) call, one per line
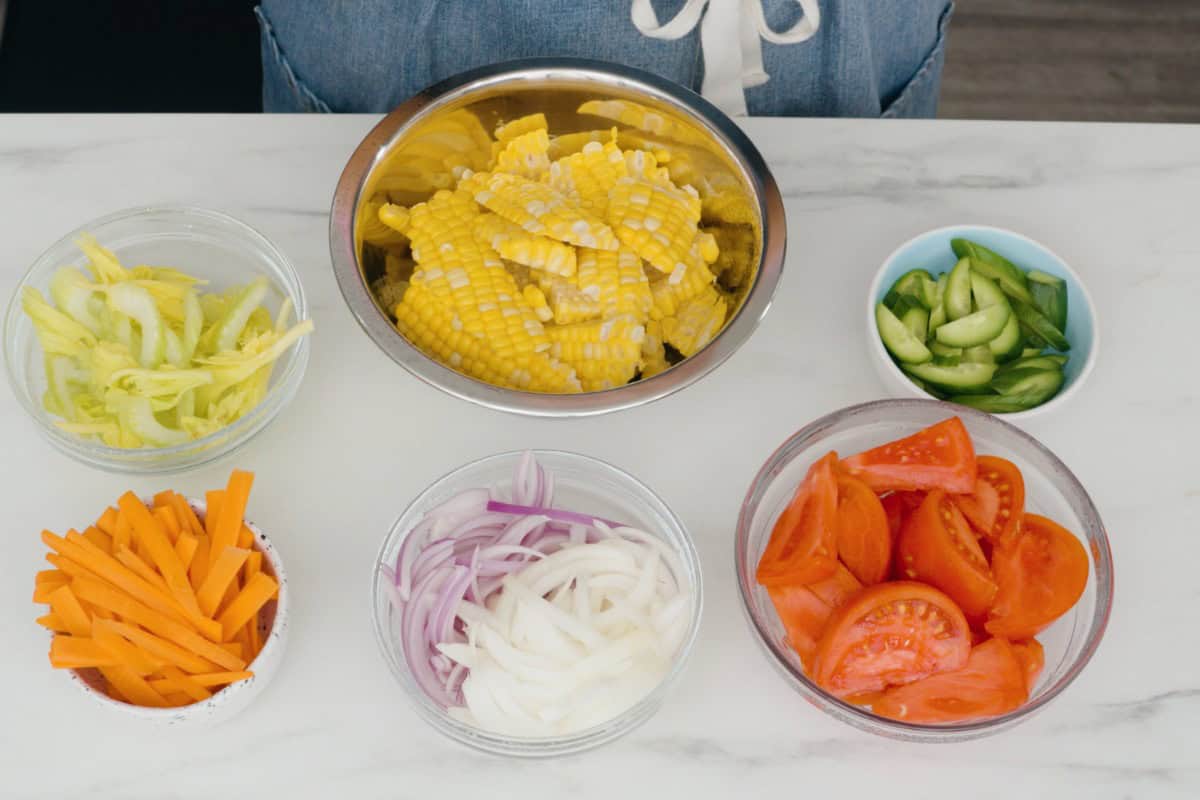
point(804, 610)
point(938, 547)
point(890, 634)
point(1032, 656)
point(938, 457)
point(997, 504)
point(803, 544)
point(991, 683)
point(864, 541)
point(1041, 576)
point(896, 508)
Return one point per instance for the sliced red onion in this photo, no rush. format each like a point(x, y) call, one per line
point(552, 513)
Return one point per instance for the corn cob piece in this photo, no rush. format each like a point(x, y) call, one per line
point(541, 210)
point(689, 279)
point(643, 118)
point(696, 323)
point(655, 221)
point(537, 301)
point(588, 176)
point(568, 143)
point(513, 129)
point(616, 281)
point(604, 353)
point(654, 355)
point(372, 229)
point(706, 244)
point(568, 303)
point(525, 155)
point(514, 243)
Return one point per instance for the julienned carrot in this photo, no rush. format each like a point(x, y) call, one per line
point(166, 517)
point(52, 622)
point(234, 648)
point(231, 593)
point(152, 537)
point(198, 569)
point(185, 548)
point(99, 538)
point(141, 662)
point(122, 531)
point(230, 513)
point(187, 517)
point(51, 576)
point(212, 509)
point(162, 649)
point(154, 621)
point(245, 538)
point(208, 680)
point(143, 570)
point(253, 565)
point(254, 596)
point(133, 687)
point(65, 605)
point(79, 652)
point(108, 521)
point(222, 572)
point(183, 683)
point(42, 592)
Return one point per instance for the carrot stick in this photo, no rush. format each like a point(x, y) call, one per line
point(90, 561)
point(231, 513)
point(222, 572)
point(177, 700)
point(163, 498)
point(188, 686)
point(130, 655)
point(151, 536)
point(253, 636)
point(166, 517)
point(185, 548)
point(42, 592)
point(133, 687)
point(234, 648)
point(52, 622)
point(155, 622)
point(55, 577)
point(209, 680)
point(231, 593)
point(108, 521)
point(79, 652)
point(245, 539)
point(198, 569)
point(122, 532)
point(99, 538)
point(163, 650)
point(187, 517)
point(258, 591)
point(212, 502)
point(144, 570)
point(65, 605)
point(253, 565)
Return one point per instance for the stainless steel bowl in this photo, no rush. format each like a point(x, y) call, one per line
point(556, 87)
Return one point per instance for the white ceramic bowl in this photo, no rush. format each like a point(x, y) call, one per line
point(931, 251)
point(234, 698)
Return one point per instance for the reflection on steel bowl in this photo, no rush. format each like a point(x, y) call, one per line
point(557, 237)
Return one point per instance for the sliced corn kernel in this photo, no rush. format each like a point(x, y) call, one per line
point(604, 353)
point(696, 323)
point(541, 210)
point(568, 143)
point(654, 354)
point(689, 278)
point(525, 155)
point(373, 230)
point(586, 177)
point(537, 301)
point(567, 302)
point(520, 125)
point(655, 221)
point(516, 244)
point(643, 118)
point(616, 280)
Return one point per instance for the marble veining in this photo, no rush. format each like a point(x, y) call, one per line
point(1118, 202)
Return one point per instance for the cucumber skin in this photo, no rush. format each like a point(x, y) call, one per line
point(944, 378)
point(898, 339)
point(1013, 382)
point(1007, 350)
point(989, 323)
point(995, 266)
point(957, 299)
point(1033, 320)
point(1051, 300)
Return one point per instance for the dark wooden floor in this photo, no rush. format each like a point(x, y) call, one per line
point(1127, 60)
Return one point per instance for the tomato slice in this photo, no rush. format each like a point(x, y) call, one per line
point(997, 504)
point(938, 457)
point(896, 509)
point(803, 544)
point(864, 541)
point(1041, 576)
point(1032, 656)
point(804, 610)
point(890, 634)
point(991, 683)
point(937, 546)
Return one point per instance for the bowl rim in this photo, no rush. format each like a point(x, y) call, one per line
point(859, 717)
point(736, 144)
point(132, 459)
point(541, 746)
point(884, 357)
point(274, 641)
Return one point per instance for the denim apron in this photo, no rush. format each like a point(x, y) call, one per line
point(858, 58)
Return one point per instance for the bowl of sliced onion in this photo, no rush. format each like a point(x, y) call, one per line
point(536, 604)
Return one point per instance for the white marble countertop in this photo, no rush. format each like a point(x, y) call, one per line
point(1118, 202)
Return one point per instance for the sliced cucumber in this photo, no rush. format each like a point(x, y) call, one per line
point(995, 266)
point(939, 349)
point(898, 339)
point(916, 319)
point(1031, 351)
point(912, 284)
point(948, 359)
point(1038, 362)
point(1007, 345)
point(1032, 321)
point(979, 354)
point(961, 378)
point(957, 298)
point(997, 404)
point(1028, 380)
point(1049, 297)
point(974, 329)
point(986, 291)
point(937, 317)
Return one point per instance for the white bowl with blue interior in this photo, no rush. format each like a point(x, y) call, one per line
point(931, 251)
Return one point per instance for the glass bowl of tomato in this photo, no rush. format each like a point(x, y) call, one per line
point(923, 571)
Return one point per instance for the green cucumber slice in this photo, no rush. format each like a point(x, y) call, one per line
point(1033, 322)
point(979, 354)
point(986, 292)
point(912, 284)
point(974, 329)
point(1028, 381)
point(995, 266)
point(1038, 362)
point(962, 377)
point(939, 349)
point(937, 318)
point(958, 290)
point(1049, 297)
point(1031, 351)
point(916, 319)
point(947, 359)
point(1007, 345)
point(898, 339)
point(997, 404)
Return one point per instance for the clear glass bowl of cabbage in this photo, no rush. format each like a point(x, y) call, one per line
point(157, 339)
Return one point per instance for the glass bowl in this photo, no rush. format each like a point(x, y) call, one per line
point(234, 698)
point(207, 244)
point(1050, 490)
point(582, 483)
